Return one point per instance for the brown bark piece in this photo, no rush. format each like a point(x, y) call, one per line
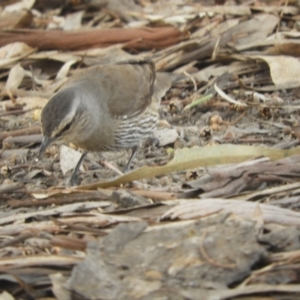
point(132, 38)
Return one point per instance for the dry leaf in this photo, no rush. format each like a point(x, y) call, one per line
point(69, 158)
point(15, 78)
point(285, 70)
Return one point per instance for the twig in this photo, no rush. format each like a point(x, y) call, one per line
point(109, 166)
point(192, 80)
point(72, 198)
point(227, 98)
point(210, 260)
point(9, 188)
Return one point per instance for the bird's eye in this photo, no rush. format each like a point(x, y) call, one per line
point(67, 127)
point(63, 130)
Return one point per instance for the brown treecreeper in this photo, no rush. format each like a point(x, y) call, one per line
point(105, 108)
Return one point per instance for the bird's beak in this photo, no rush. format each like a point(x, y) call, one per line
point(46, 141)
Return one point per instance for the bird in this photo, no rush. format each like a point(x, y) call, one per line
point(105, 107)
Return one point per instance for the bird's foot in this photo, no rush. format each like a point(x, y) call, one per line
point(152, 141)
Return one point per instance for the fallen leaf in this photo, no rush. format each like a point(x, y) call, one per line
point(196, 157)
point(69, 158)
point(284, 69)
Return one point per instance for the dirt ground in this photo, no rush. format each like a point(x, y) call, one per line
point(210, 208)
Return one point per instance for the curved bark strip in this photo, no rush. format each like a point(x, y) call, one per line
point(132, 38)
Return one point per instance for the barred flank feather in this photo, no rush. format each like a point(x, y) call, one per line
point(131, 131)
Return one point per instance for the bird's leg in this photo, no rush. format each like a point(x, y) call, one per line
point(74, 177)
point(133, 154)
point(153, 141)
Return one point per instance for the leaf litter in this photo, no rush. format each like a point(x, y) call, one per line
point(212, 212)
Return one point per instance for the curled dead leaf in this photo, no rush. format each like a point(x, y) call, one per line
point(191, 175)
point(175, 106)
point(5, 170)
point(206, 132)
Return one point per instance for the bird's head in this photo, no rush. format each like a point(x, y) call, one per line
point(60, 117)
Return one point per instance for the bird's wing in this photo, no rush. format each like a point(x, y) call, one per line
point(128, 86)
point(162, 84)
